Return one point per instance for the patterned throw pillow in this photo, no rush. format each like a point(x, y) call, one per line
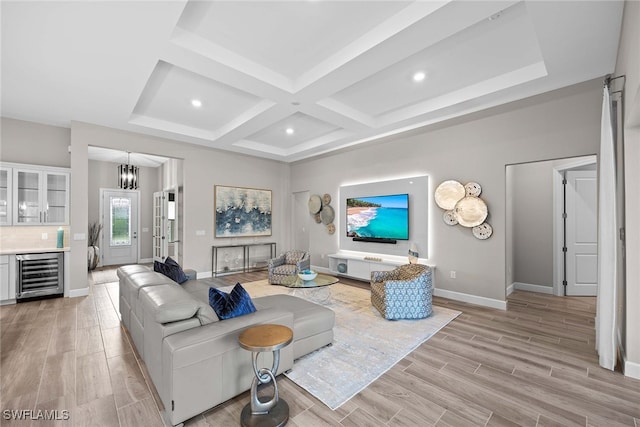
point(171, 269)
point(236, 303)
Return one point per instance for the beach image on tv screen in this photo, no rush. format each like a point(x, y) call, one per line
point(384, 217)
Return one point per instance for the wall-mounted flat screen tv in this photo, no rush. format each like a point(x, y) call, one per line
point(378, 217)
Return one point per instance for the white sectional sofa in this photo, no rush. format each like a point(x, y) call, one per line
point(194, 360)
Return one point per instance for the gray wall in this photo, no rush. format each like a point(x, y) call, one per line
point(533, 223)
point(202, 169)
point(103, 175)
point(530, 227)
point(34, 143)
point(559, 124)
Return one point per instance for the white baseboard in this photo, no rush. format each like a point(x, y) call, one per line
point(531, 288)
point(83, 292)
point(324, 270)
point(510, 289)
point(471, 299)
point(204, 275)
point(632, 369)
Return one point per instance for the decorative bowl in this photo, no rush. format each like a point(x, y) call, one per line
point(307, 275)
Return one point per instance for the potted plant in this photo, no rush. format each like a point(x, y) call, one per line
point(93, 251)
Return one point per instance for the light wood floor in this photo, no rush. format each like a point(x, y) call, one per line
point(532, 365)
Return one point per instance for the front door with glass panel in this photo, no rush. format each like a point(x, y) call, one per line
point(120, 227)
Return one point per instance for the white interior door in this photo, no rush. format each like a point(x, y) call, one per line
point(120, 227)
point(582, 233)
point(301, 220)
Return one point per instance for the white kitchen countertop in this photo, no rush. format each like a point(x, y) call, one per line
point(14, 251)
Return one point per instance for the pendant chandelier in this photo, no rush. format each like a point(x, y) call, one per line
point(128, 175)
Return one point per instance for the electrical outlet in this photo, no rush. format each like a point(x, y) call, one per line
point(45, 236)
point(452, 274)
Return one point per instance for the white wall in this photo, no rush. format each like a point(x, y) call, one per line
point(628, 64)
point(563, 123)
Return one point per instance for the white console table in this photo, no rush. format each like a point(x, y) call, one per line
point(360, 265)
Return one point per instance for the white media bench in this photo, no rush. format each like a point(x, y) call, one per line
point(359, 265)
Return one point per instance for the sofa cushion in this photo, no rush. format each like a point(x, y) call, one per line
point(171, 269)
point(236, 303)
point(308, 318)
point(169, 303)
point(127, 270)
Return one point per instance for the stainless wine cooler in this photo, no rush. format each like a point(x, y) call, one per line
point(39, 275)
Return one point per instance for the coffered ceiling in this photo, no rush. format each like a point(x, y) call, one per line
point(293, 79)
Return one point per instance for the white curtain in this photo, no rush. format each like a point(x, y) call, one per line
point(606, 336)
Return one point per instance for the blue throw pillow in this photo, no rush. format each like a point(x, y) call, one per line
point(171, 269)
point(236, 303)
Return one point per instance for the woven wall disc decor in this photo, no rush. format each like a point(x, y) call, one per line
point(450, 217)
point(482, 231)
point(473, 189)
point(315, 204)
point(448, 193)
point(462, 205)
point(471, 211)
point(327, 215)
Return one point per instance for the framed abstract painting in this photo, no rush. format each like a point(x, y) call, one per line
point(242, 212)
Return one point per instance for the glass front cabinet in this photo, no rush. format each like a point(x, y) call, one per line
point(6, 192)
point(40, 197)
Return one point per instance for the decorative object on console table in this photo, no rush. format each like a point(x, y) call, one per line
point(463, 206)
point(242, 211)
point(93, 251)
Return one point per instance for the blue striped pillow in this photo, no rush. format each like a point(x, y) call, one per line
point(236, 303)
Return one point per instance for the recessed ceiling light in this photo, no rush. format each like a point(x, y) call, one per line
point(289, 131)
point(196, 103)
point(419, 76)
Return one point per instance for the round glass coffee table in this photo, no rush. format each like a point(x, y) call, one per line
point(257, 339)
point(310, 288)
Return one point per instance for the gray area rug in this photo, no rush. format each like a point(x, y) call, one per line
point(365, 345)
point(107, 275)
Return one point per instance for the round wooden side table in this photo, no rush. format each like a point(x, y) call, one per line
point(257, 339)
